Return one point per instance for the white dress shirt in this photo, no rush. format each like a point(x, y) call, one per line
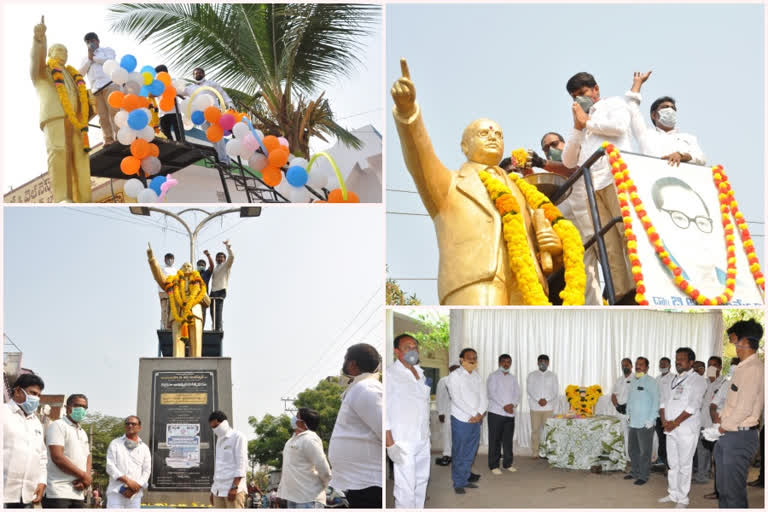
point(25, 457)
point(503, 389)
point(231, 462)
point(721, 395)
point(220, 274)
point(542, 385)
point(663, 382)
point(468, 394)
point(685, 393)
point(443, 397)
point(407, 403)
point(717, 386)
point(355, 448)
point(94, 70)
point(622, 387)
point(136, 464)
point(191, 88)
point(657, 142)
point(73, 438)
point(305, 473)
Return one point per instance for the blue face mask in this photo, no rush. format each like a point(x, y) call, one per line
point(411, 357)
point(556, 155)
point(585, 102)
point(505, 370)
point(78, 414)
point(30, 404)
point(293, 422)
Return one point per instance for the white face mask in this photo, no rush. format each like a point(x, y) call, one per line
point(664, 371)
point(712, 371)
point(667, 117)
point(222, 429)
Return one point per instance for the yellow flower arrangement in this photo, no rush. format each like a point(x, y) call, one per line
point(57, 74)
point(520, 158)
point(583, 400)
point(185, 291)
point(154, 120)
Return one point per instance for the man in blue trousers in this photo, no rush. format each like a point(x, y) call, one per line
point(469, 403)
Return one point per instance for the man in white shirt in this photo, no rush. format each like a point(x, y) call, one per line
point(101, 84)
point(407, 424)
point(543, 389)
point(200, 81)
point(165, 306)
point(219, 283)
point(716, 384)
point(128, 466)
point(25, 458)
point(443, 399)
point(355, 447)
point(69, 457)
point(662, 383)
point(503, 399)
point(305, 472)
point(468, 406)
point(681, 418)
point(663, 141)
point(169, 122)
point(231, 464)
point(596, 120)
point(619, 396)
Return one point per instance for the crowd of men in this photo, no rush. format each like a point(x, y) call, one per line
point(694, 414)
point(53, 466)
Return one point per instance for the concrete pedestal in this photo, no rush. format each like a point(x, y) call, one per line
point(175, 398)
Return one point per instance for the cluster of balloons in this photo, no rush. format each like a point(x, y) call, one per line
point(156, 191)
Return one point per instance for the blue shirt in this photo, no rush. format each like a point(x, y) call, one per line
point(643, 402)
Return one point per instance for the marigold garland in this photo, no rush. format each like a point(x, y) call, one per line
point(57, 74)
point(627, 192)
point(583, 400)
point(520, 158)
point(520, 259)
point(154, 120)
point(183, 298)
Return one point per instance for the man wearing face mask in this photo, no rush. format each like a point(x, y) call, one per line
point(128, 466)
point(69, 461)
point(715, 386)
point(552, 144)
point(503, 399)
point(305, 472)
point(543, 389)
point(231, 464)
point(699, 367)
point(642, 411)
point(219, 284)
point(663, 141)
point(681, 418)
point(596, 120)
point(25, 458)
point(662, 384)
point(740, 418)
point(619, 396)
point(165, 306)
point(468, 405)
point(201, 81)
point(101, 84)
point(407, 424)
point(205, 273)
point(355, 447)
point(443, 399)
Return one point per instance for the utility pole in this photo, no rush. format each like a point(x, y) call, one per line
point(286, 402)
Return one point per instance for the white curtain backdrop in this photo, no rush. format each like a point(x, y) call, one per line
point(585, 347)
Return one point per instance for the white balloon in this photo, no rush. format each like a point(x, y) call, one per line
point(151, 164)
point(147, 133)
point(147, 196)
point(202, 101)
point(240, 130)
point(284, 188)
point(179, 85)
point(110, 66)
point(301, 162)
point(234, 147)
point(298, 195)
point(132, 88)
point(317, 179)
point(257, 162)
point(133, 187)
point(126, 135)
point(121, 118)
point(119, 76)
point(245, 152)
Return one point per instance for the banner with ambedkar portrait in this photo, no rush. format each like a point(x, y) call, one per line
point(682, 205)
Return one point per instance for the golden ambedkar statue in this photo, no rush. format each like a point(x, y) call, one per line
point(187, 296)
point(64, 115)
point(474, 267)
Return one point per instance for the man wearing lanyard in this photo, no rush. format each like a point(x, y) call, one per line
point(407, 424)
point(739, 421)
point(681, 418)
point(101, 85)
point(503, 399)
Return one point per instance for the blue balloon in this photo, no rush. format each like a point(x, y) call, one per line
point(138, 119)
point(156, 88)
point(144, 91)
point(157, 183)
point(128, 63)
point(148, 69)
point(198, 117)
point(297, 176)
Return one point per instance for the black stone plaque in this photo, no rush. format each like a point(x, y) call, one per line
point(181, 440)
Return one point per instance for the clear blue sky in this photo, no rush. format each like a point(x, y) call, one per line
point(511, 62)
point(81, 303)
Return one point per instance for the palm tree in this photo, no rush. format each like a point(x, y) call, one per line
point(271, 57)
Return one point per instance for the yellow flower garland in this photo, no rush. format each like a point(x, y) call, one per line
point(57, 73)
point(182, 301)
point(583, 400)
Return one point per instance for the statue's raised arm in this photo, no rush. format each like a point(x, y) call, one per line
point(154, 266)
point(37, 66)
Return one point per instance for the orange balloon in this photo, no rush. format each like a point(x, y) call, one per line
point(212, 115)
point(130, 165)
point(271, 175)
point(214, 133)
point(336, 197)
point(278, 157)
point(115, 99)
point(169, 92)
point(129, 102)
point(164, 77)
point(140, 148)
point(166, 104)
point(270, 142)
point(154, 149)
point(143, 102)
